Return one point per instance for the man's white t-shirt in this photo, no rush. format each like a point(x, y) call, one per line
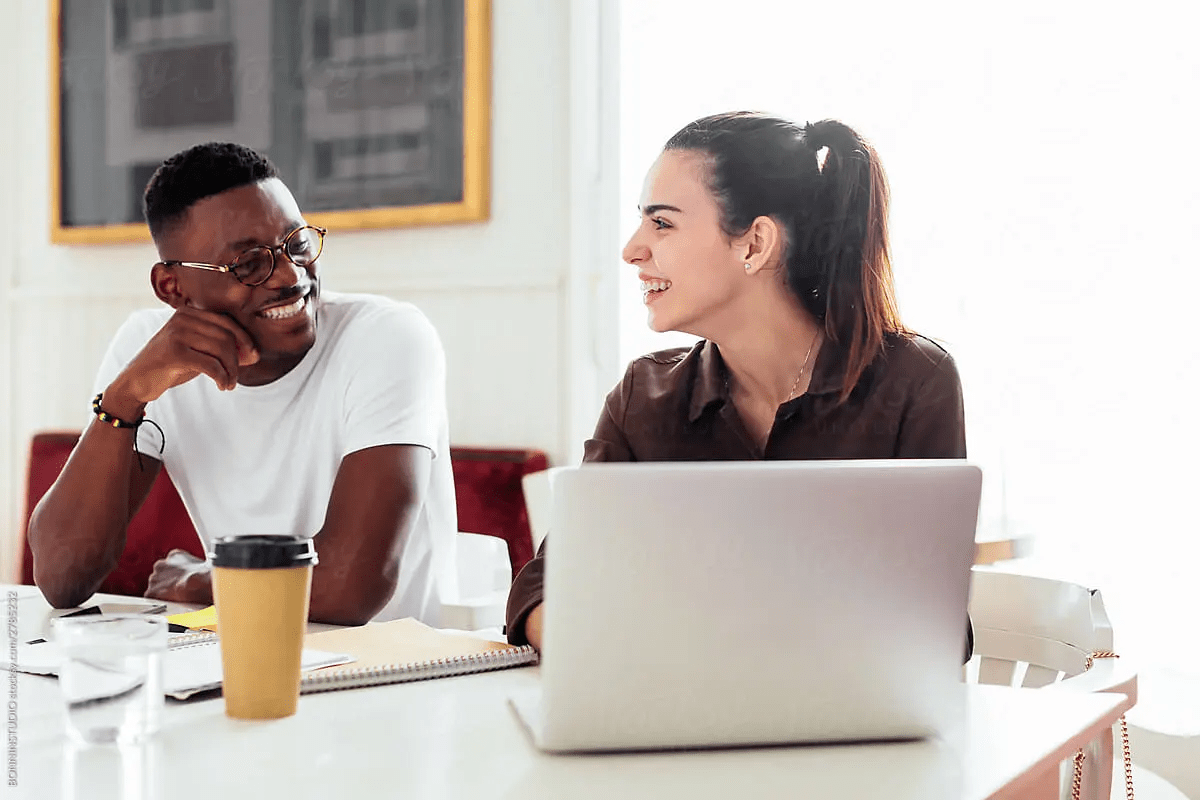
point(262, 459)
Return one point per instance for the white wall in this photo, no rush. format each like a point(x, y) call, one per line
point(512, 297)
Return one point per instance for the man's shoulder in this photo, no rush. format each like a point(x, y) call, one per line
point(370, 310)
point(376, 327)
point(140, 325)
point(150, 317)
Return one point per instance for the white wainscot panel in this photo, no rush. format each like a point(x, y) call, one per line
point(57, 345)
point(503, 364)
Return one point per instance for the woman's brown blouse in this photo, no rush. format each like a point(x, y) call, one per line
point(674, 405)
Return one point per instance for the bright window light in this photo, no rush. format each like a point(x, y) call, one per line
point(1045, 229)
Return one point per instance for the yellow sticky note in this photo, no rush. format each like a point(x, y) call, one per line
point(203, 620)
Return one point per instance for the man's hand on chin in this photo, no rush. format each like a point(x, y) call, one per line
point(181, 578)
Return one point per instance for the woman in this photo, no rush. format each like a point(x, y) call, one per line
point(769, 241)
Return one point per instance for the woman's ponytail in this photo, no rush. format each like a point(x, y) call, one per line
point(844, 238)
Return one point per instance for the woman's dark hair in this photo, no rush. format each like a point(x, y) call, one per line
point(198, 172)
point(834, 214)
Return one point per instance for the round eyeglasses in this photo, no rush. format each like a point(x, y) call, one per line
point(302, 247)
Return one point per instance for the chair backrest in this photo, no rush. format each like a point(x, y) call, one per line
point(538, 503)
point(162, 523)
point(483, 566)
point(487, 485)
point(1034, 632)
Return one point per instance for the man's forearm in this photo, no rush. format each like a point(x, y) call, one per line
point(77, 531)
point(350, 594)
point(374, 506)
point(350, 583)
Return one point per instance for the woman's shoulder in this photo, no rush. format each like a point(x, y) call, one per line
point(916, 347)
point(916, 356)
point(667, 360)
point(657, 381)
point(667, 369)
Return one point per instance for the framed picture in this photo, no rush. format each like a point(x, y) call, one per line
point(376, 112)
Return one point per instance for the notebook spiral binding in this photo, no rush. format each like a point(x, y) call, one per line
point(190, 639)
point(332, 679)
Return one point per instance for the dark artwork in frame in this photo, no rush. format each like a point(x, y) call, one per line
point(375, 111)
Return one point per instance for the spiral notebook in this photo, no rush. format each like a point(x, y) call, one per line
point(405, 650)
point(191, 665)
point(373, 654)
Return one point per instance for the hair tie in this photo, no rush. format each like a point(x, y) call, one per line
point(817, 143)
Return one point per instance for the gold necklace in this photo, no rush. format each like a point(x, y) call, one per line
point(803, 367)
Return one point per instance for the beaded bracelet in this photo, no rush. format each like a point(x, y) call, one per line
point(117, 422)
point(109, 419)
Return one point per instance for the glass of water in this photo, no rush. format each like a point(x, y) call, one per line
point(111, 676)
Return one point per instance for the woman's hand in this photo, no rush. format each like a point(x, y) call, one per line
point(533, 627)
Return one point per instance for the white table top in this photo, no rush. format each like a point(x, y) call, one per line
point(457, 738)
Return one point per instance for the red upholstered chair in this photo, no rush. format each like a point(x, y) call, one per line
point(161, 525)
point(487, 483)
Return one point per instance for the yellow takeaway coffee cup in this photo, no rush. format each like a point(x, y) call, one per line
point(261, 588)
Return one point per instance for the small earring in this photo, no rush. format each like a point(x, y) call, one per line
point(747, 266)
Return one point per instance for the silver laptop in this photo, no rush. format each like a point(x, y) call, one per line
point(728, 604)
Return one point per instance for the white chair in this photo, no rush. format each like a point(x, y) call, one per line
point(484, 574)
point(484, 568)
point(1041, 633)
point(538, 501)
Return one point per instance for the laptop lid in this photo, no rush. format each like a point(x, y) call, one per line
point(739, 603)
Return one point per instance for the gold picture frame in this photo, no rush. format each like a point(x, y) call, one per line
point(468, 166)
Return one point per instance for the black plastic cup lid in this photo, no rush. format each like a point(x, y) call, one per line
point(263, 552)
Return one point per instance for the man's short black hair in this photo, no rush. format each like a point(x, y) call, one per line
point(196, 173)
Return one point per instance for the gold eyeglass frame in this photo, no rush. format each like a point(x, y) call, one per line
point(275, 250)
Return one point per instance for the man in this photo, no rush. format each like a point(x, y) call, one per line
point(281, 410)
